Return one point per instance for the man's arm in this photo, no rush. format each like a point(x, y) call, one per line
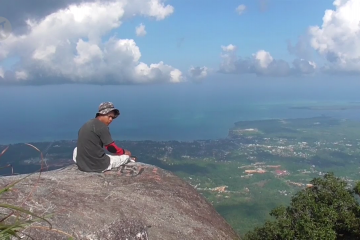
point(110, 143)
point(115, 149)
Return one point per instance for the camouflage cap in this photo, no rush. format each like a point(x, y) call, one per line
point(106, 107)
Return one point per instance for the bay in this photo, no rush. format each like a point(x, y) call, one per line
point(181, 112)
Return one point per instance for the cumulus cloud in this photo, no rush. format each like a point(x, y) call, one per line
point(199, 73)
point(140, 30)
point(19, 11)
point(68, 45)
point(261, 63)
point(241, 9)
point(229, 48)
point(338, 38)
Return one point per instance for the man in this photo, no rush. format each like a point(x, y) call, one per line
point(89, 154)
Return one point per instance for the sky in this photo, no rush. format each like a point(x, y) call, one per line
point(136, 42)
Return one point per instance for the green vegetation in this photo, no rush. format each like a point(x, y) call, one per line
point(328, 210)
point(12, 222)
point(15, 219)
point(285, 155)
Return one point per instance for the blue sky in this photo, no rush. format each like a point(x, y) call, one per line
point(198, 61)
point(184, 41)
point(206, 25)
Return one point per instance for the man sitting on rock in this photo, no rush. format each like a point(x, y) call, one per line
point(89, 154)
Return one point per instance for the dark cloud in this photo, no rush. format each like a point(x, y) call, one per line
point(198, 73)
point(18, 11)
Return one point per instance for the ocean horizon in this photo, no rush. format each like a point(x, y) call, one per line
point(160, 113)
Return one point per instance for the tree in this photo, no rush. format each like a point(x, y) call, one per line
point(327, 210)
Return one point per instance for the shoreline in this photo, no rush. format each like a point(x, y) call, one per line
point(183, 126)
point(321, 116)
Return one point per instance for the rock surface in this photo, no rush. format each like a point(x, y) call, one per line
point(153, 205)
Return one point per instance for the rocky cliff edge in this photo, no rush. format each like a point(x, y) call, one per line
point(153, 205)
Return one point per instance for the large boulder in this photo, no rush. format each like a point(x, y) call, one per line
point(153, 205)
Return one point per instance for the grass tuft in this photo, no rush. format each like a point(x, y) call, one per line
point(15, 219)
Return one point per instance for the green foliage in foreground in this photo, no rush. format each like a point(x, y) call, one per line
point(12, 223)
point(329, 210)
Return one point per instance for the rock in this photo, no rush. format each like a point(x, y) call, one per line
point(153, 205)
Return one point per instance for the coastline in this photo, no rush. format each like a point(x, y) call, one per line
point(226, 134)
point(177, 125)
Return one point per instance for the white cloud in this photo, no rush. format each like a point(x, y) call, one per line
point(140, 30)
point(229, 59)
point(158, 72)
point(67, 45)
point(229, 48)
point(157, 8)
point(21, 75)
point(2, 74)
point(42, 53)
point(87, 52)
point(241, 9)
point(199, 73)
point(264, 58)
point(261, 63)
point(338, 38)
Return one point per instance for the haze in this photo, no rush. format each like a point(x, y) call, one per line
point(176, 69)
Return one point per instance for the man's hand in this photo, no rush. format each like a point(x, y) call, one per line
point(127, 152)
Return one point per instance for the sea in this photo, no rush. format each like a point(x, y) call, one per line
point(161, 112)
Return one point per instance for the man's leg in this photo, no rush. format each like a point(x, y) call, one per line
point(75, 154)
point(118, 160)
